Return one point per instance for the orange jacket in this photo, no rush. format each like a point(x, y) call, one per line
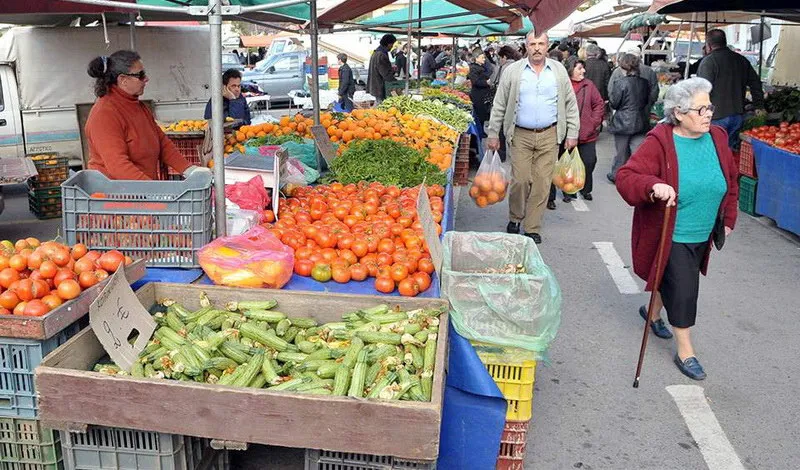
point(125, 143)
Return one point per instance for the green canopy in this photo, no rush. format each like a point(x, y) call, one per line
point(465, 24)
point(293, 12)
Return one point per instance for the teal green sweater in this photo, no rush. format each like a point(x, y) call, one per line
point(701, 187)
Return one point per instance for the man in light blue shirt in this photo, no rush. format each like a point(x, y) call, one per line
point(536, 108)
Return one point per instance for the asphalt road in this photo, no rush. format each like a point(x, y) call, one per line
point(585, 412)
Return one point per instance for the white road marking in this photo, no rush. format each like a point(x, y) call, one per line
point(579, 205)
point(619, 273)
point(717, 451)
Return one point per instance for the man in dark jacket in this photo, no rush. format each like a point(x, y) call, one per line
point(731, 75)
point(428, 65)
point(347, 85)
point(234, 105)
point(401, 61)
point(380, 68)
point(597, 70)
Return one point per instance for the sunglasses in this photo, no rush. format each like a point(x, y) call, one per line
point(141, 75)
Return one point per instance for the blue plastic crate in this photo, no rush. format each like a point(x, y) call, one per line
point(18, 359)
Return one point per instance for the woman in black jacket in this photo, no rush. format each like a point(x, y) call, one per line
point(629, 98)
point(479, 76)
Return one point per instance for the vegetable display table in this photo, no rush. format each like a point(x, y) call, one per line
point(778, 195)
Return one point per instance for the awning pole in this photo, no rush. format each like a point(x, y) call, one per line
point(761, 48)
point(419, 45)
point(217, 134)
point(408, 42)
point(689, 52)
point(132, 17)
point(315, 61)
point(455, 69)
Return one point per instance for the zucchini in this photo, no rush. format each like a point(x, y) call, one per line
point(381, 352)
point(221, 363)
point(258, 382)
point(137, 370)
point(374, 337)
point(372, 373)
point(251, 305)
point(269, 372)
point(290, 334)
point(376, 310)
point(385, 382)
point(352, 354)
point(229, 378)
point(282, 327)
point(306, 346)
point(252, 369)
point(387, 318)
point(341, 381)
point(291, 357)
point(174, 322)
point(289, 385)
point(319, 391)
point(314, 364)
point(322, 353)
point(359, 375)
point(265, 315)
point(169, 334)
point(304, 323)
point(257, 334)
point(233, 350)
point(429, 357)
point(328, 371)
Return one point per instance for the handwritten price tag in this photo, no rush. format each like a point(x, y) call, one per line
point(323, 141)
point(116, 316)
point(429, 228)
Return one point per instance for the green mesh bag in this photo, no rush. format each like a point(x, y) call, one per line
point(517, 310)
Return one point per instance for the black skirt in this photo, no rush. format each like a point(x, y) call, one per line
point(681, 282)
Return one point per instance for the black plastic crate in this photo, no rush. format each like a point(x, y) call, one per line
point(44, 211)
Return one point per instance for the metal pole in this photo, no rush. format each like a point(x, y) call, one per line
point(315, 61)
point(761, 47)
point(217, 134)
point(455, 69)
point(132, 17)
point(408, 42)
point(419, 43)
point(689, 52)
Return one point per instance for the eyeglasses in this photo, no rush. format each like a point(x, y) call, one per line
point(703, 109)
point(141, 75)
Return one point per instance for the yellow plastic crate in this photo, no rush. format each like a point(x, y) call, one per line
point(514, 372)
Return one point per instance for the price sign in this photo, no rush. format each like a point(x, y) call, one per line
point(429, 228)
point(323, 142)
point(117, 315)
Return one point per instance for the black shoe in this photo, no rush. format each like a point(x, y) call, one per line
point(551, 205)
point(587, 196)
point(567, 199)
point(658, 326)
point(611, 178)
point(690, 367)
point(535, 236)
point(513, 227)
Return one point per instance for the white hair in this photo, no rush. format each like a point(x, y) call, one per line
point(679, 97)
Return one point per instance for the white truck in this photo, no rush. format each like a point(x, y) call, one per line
point(43, 81)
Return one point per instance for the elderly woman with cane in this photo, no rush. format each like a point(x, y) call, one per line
point(684, 162)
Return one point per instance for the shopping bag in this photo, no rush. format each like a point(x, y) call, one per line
point(256, 258)
point(491, 181)
point(249, 195)
point(570, 174)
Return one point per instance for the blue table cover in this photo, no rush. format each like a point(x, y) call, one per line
point(778, 192)
point(176, 275)
point(476, 132)
point(473, 412)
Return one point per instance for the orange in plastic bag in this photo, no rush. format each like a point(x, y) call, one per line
point(256, 258)
point(491, 182)
point(570, 174)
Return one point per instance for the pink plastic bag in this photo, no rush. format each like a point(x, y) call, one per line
point(250, 195)
point(256, 258)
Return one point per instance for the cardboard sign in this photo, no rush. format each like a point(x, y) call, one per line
point(116, 315)
point(323, 141)
point(429, 228)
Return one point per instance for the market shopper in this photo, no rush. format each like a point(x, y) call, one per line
point(685, 162)
point(380, 68)
point(591, 109)
point(347, 85)
point(479, 92)
point(731, 75)
point(628, 98)
point(507, 55)
point(234, 104)
point(535, 107)
point(645, 72)
point(428, 64)
point(597, 70)
point(125, 143)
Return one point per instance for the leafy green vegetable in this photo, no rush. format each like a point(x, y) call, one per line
point(270, 139)
point(385, 161)
point(445, 112)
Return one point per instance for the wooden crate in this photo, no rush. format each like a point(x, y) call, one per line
point(72, 397)
point(47, 326)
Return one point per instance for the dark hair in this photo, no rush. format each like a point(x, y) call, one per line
point(388, 39)
point(556, 55)
point(629, 62)
point(571, 63)
point(508, 52)
point(106, 69)
point(230, 73)
point(716, 38)
point(342, 57)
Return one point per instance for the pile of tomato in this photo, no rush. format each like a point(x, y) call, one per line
point(785, 137)
point(355, 232)
point(38, 277)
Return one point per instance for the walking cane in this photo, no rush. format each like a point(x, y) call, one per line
point(656, 285)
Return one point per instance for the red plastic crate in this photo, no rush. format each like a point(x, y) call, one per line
point(512, 446)
point(189, 147)
point(747, 161)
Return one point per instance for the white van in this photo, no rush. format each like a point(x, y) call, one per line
point(43, 78)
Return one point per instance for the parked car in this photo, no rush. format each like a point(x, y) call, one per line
point(281, 73)
point(231, 61)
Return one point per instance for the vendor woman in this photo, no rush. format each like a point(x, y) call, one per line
point(125, 143)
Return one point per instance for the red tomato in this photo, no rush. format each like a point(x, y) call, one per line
point(408, 287)
point(359, 272)
point(303, 267)
point(423, 279)
point(384, 285)
point(111, 260)
point(69, 289)
point(35, 308)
